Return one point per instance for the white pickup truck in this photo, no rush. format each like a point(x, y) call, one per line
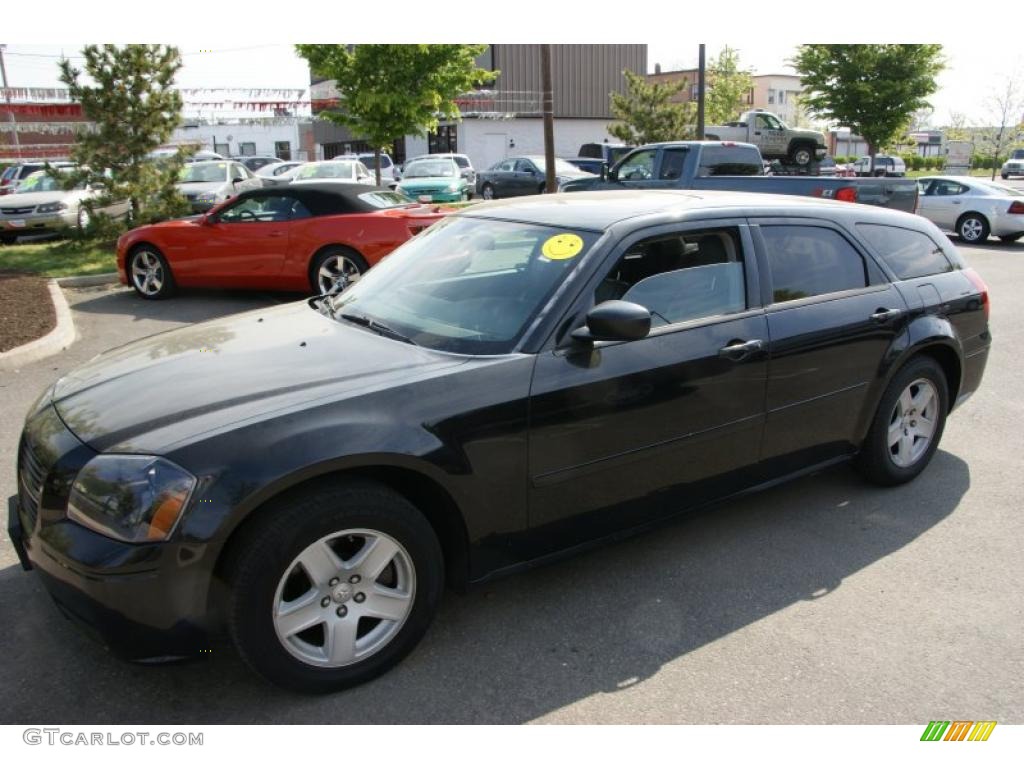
point(775, 139)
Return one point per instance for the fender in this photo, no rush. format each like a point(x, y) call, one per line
point(923, 333)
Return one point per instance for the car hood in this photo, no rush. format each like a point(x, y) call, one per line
point(158, 393)
point(25, 199)
point(198, 187)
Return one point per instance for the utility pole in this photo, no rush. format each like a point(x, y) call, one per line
point(700, 94)
point(7, 94)
point(550, 186)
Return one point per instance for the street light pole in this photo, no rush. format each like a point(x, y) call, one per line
point(549, 120)
point(7, 94)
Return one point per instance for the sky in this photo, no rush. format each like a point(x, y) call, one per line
point(974, 68)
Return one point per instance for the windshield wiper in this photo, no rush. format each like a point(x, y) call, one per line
point(376, 325)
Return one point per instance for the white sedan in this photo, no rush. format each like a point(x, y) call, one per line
point(972, 208)
point(351, 171)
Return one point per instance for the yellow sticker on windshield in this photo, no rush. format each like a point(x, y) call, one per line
point(564, 246)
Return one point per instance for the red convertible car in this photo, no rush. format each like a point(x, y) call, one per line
point(314, 237)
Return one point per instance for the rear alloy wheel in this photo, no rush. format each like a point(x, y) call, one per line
point(972, 228)
point(487, 192)
point(336, 268)
point(150, 274)
point(333, 586)
point(907, 427)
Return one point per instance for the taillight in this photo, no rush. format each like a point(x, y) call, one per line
point(847, 194)
point(1016, 207)
point(978, 283)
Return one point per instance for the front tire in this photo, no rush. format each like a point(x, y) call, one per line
point(8, 239)
point(487, 192)
point(908, 424)
point(973, 228)
point(332, 587)
point(150, 274)
point(802, 155)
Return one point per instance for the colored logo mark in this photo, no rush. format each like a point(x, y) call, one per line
point(958, 730)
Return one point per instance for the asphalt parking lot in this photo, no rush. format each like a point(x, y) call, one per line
point(823, 601)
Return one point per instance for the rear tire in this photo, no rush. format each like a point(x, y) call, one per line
point(342, 644)
point(335, 268)
point(896, 450)
point(972, 228)
point(149, 273)
point(487, 192)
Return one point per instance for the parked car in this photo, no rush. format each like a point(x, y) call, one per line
point(465, 165)
point(255, 162)
point(435, 179)
point(200, 156)
point(524, 176)
point(333, 171)
point(973, 208)
point(884, 165)
point(1014, 165)
point(734, 166)
point(210, 182)
point(388, 169)
point(827, 166)
point(775, 139)
point(277, 174)
point(15, 174)
point(302, 237)
point(524, 379)
point(42, 205)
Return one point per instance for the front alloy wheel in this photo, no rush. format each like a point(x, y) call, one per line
point(84, 219)
point(332, 585)
point(344, 597)
point(151, 277)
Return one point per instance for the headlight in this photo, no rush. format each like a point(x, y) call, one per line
point(208, 197)
point(52, 207)
point(453, 187)
point(130, 498)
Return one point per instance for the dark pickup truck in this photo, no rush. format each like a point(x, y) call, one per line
point(738, 167)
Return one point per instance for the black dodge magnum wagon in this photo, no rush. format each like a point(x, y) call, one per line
point(519, 380)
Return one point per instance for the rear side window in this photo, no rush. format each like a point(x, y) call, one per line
point(810, 261)
point(730, 161)
point(909, 254)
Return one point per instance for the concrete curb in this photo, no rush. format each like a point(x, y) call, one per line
point(56, 340)
point(88, 280)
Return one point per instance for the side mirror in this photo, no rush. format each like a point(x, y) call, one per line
point(615, 321)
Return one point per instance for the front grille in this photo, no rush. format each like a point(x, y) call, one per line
point(32, 475)
point(17, 211)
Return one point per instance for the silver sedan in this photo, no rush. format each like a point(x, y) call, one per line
point(972, 208)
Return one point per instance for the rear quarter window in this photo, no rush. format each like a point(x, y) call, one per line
point(908, 253)
point(730, 161)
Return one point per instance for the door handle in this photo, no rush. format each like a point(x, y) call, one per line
point(740, 350)
point(885, 315)
point(956, 202)
point(275, 234)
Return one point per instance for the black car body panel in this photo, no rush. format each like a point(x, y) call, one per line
point(513, 458)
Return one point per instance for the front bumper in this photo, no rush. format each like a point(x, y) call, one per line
point(435, 197)
point(142, 601)
point(32, 223)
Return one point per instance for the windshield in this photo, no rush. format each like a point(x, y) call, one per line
point(386, 199)
point(467, 285)
point(327, 171)
point(197, 173)
point(367, 160)
point(1001, 189)
point(1018, 154)
point(41, 181)
point(423, 169)
point(561, 166)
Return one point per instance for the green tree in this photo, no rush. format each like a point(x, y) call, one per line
point(647, 112)
point(389, 91)
point(727, 90)
point(872, 89)
point(132, 102)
